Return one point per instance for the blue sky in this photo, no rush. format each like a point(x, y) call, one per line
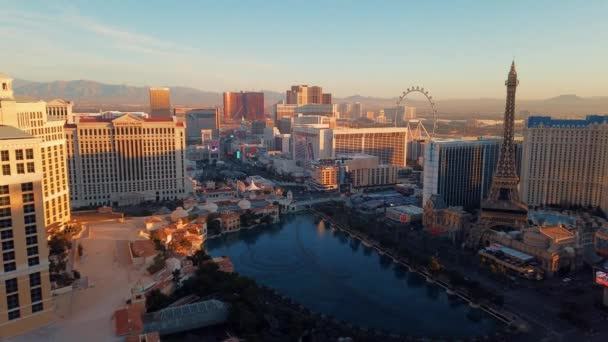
point(456, 49)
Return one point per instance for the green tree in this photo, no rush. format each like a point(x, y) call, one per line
point(157, 300)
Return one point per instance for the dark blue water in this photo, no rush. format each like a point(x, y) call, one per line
point(330, 273)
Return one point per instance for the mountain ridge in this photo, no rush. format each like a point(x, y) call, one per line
point(90, 93)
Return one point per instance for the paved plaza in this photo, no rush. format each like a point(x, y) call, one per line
point(86, 314)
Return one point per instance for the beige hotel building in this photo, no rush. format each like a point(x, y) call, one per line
point(565, 162)
point(32, 118)
point(126, 160)
point(25, 297)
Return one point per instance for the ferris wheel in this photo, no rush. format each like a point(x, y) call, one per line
point(429, 98)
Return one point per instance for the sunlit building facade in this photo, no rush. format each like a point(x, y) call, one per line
point(32, 118)
point(566, 162)
point(239, 105)
point(282, 110)
point(160, 103)
point(304, 94)
point(25, 297)
point(126, 161)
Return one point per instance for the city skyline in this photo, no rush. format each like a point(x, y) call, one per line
point(377, 51)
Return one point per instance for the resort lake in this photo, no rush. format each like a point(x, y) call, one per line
point(331, 273)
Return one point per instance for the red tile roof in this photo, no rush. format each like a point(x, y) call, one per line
point(143, 248)
point(158, 119)
point(149, 337)
point(93, 120)
point(128, 321)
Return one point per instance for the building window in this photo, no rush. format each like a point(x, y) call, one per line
point(12, 301)
point(30, 230)
point(36, 294)
point(37, 307)
point(8, 256)
point(29, 208)
point(5, 212)
point(30, 167)
point(10, 266)
point(5, 200)
point(11, 285)
point(6, 234)
point(28, 198)
point(8, 245)
point(33, 261)
point(29, 153)
point(4, 190)
point(20, 168)
point(13, 315)
point(19, 154)
point(4, 155)
point(35, 279)
point(31, 240)
point(6, 170)
point(32, 250)
point(30, 219)
point(27, 187)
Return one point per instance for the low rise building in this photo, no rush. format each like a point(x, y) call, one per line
point(219, 194)
point(439, 219)
point(324, 177)
point(364, 171)
point(404, 214)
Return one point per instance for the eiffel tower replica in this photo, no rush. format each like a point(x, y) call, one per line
point(503, 209)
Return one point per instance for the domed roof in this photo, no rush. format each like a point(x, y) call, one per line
point(244, 204)
point(209, 206)
point(178, 214)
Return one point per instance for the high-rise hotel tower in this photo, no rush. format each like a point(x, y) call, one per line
point(33, 199)
point(566, 162)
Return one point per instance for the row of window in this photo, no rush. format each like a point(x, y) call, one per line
point(21, 168)
point(19, 154)
point(12, 295)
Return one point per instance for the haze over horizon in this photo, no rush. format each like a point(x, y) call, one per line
point(350, 48)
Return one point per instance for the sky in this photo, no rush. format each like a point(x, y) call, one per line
point(455, 49)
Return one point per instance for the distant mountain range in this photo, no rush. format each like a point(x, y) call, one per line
point(92, 95)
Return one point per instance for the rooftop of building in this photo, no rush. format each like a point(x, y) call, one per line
point(128, 320)
point(408, 209)
point(551, 218)
point(467, 141)
point(54, 102)
point(556, 233)
point(547, 121)
point(143, 248)
point(186, 317)
point(11, 133)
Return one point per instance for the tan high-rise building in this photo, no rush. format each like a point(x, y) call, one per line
point(565, 162)
point(25, 297)
point(127, 160)
point(303, 94)
point(32, 118)
point(160, 103)
point(243, 105)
